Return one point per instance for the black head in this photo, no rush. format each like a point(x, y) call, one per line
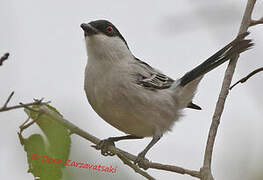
point(101, 26)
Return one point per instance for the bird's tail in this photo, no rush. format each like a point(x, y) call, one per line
point(234, 48)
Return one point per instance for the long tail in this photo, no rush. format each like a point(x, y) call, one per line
point(234, 48)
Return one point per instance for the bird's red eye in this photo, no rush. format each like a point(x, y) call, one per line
point(110, 29)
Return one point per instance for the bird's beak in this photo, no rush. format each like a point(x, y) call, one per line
point(88, 29)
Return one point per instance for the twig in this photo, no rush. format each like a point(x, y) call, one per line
point(29, 108)
point(21, 105)
point(3, 58)
point(8, 99)
point(244, 79)
point(25, 125)
point(134, 167)
point(174, 169)
point(205, 171)
point(256, 22)
point(76, 130)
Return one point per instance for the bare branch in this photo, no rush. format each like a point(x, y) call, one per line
point(134, 167)
point(27, 124)
point(120, 153)
point(29, 108)
point(244, 79)
point(24, 123)
point(8, 99)
point(21, 105)
point(174, 169)
point(205, 171)
point(255, 22)
point(3, 58)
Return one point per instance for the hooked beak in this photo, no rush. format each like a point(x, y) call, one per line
point(88, 29)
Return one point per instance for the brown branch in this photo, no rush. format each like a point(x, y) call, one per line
point(8, 99)
point(27, 124)
point(120, 153)
point(176, 169)
point(21, 105)
point(244, 79)
point(3, 58)
point(134, 167)
point(256, 22)
point(205, 171)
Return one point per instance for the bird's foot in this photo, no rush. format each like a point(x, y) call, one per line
point(142, 161)
point(104, 147)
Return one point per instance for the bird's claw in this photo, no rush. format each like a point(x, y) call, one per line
point(142, 161)
point(104, 147)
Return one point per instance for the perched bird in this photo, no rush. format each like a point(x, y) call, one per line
point(131, 95)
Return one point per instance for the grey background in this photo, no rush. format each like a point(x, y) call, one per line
point(48, 58)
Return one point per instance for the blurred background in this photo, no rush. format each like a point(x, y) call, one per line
point(48, 59)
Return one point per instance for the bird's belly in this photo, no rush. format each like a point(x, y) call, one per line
point(140, 115)
point(120, 116)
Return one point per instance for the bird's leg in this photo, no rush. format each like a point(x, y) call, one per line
point(106, 143)
point(141, 156)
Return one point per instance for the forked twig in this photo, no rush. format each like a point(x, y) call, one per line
point(244, 79)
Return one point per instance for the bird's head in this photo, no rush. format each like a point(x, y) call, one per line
point(103, 39)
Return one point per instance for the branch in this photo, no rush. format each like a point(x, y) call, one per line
point(244, 79)
point(255, 22)
point(8, 99)
point(21, 105)
point(205, 171)
point(3, 58)
point(120, 153)
point(134, 167)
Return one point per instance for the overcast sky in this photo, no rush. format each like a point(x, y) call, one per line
point(48, 59)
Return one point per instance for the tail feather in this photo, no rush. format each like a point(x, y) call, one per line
point(193, 106)
point(234, 48)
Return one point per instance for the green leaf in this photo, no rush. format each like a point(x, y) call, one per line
point(53, 152)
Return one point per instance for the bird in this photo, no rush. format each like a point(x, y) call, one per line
point(135, 97)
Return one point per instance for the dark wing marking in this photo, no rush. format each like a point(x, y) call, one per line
point(156, 80)
point(193, 106)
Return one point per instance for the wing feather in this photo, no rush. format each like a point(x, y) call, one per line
point(155, 80)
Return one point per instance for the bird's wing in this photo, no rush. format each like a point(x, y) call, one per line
point(155, 80)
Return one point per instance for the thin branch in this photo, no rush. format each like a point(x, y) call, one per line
point(24, 123)
point(205, 171)
point(256, 22)
point(244, 79)
point(3, 58)
point(8, 99)
point(134, 167)
point(174, 169)
point(27, 124)
point(76, 130)
point(28, 107)
point(21, 105)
